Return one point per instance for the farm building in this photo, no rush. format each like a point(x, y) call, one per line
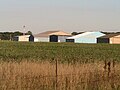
point(110, 38)
point(24, 38)
point(86, 37)
point(45, 36)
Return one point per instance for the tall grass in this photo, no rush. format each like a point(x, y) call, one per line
point(31, 66)
point(41, 76)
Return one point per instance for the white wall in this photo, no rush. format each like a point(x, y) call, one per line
point(23, 38)
point(41, 39)
point(62, 38)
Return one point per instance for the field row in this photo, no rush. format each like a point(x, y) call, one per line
point(64, 52)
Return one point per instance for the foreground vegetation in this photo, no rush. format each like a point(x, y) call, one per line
point(65, 52)
point(32, 66)
point(41, 76)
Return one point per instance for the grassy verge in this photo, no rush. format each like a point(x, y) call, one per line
point(41, 76)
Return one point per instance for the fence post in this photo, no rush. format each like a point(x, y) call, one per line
point(113, 63)
point(109, 68)
point(105, 67)
point(56, 72)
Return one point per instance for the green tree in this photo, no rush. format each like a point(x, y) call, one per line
point(74, 33)
point(29, 33)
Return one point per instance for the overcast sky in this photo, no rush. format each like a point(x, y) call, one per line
point(66, 15)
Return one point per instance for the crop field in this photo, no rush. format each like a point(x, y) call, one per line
point(32, 66)
point(65, 52)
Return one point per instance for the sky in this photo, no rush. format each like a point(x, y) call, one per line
point(66, 15)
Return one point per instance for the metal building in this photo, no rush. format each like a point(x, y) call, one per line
point(45, 36)
point(110, 38)
point(86, 37)
point(24, 38)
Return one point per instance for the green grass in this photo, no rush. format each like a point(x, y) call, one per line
point(64, 52)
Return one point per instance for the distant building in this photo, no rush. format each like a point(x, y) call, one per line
point(86, 37)
point(110, 38)
point(48, 36)
point(24, 38)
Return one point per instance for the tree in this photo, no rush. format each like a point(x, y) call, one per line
point(29, 33)
point(74, 33)
point(17, 33)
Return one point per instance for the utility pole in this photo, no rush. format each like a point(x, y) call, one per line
point(24, 29)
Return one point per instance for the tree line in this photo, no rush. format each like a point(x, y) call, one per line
point(11, 35)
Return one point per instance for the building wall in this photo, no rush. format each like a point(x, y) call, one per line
point(35, 39)
point(56, 38)
point(103, 40)
point(115, 40)
point(62, 38)
point(70, 40)
point(23, 38)
point(85, 40)
point(41, 39)
point(53, 38)
point(31, 38)
point(90, 38)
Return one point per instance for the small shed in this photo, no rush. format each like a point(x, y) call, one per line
point(86, 37)
point(110, 38)
point(24, 38)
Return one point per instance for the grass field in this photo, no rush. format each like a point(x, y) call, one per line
point(31, 66)
point(65, 52)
